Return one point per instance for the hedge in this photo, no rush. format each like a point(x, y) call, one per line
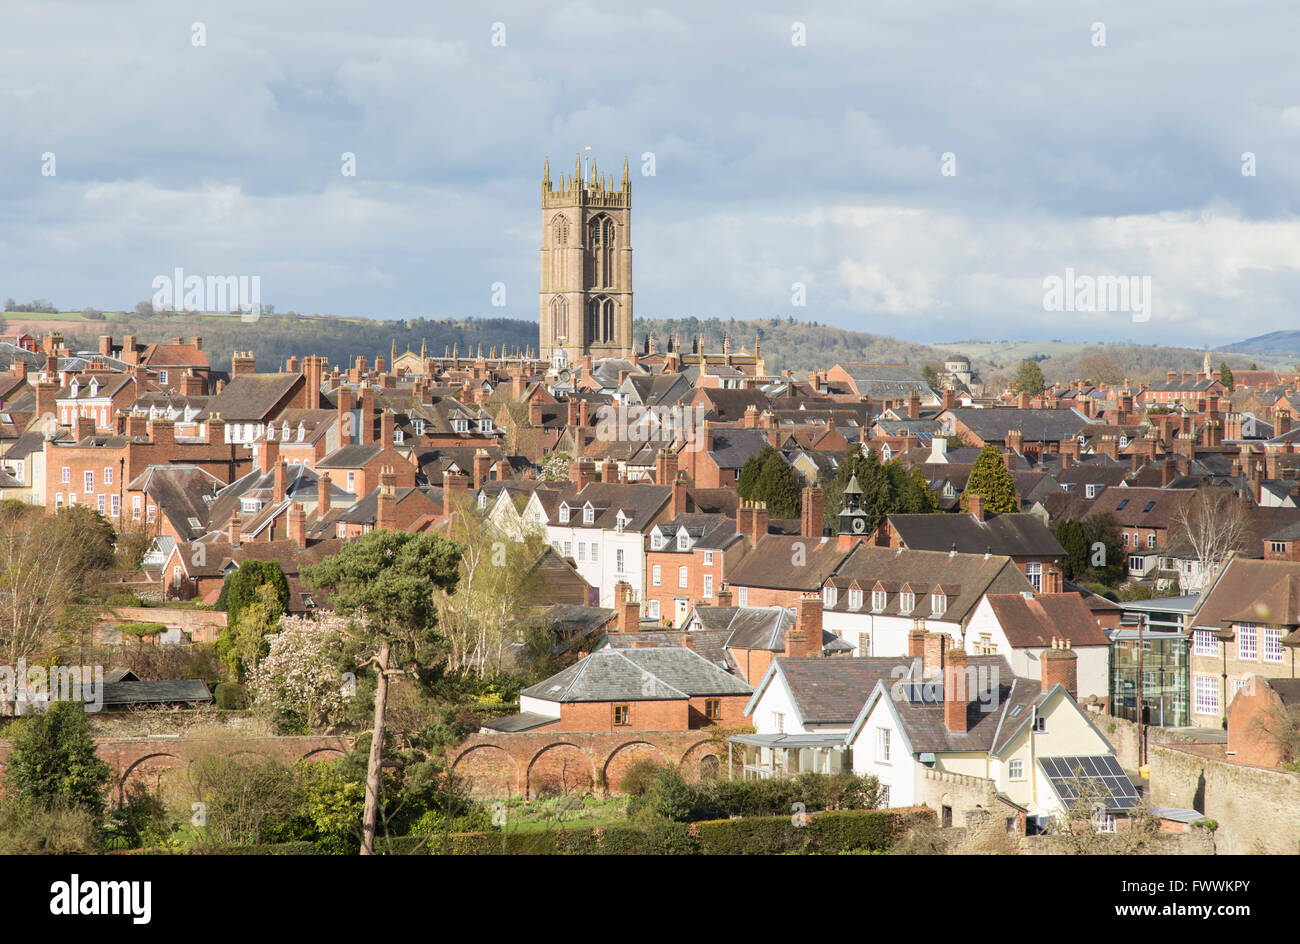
point(826, 833)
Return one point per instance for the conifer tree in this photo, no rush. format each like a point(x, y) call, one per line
point(989, 477)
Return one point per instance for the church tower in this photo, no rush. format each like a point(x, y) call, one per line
point(586, 286)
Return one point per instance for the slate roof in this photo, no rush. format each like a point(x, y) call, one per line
point(523, 721)
point(1134, 507)
point(659, 674)
point(122, 694)
point(732, 448)
point(1012, 535)
point(993, 424)
point(710, 643)
point(832, 691)
point(887, 381)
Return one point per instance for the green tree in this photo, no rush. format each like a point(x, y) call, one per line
point(917, 498)
point(777, 485)
point(54, 764)
point(248, 641)
point(1106, 557)
point(241, 588)
point(1071, 536)
point(385, 582)
point(1225, 376)
point(989, 477)
point(1029, 378)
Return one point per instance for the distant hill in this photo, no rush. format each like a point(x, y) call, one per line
point(1275, 342)
point(786, 343)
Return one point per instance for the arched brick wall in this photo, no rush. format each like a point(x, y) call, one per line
point(624, 756)
point(561, 767)
point(545, 762)
point(488, 771)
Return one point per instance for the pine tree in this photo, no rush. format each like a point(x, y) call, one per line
point(777, 486)
point(1225, 376)
point(1029, 378)
point(989, 477)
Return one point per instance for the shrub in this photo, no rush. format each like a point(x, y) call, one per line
point(639, 776)
point(231, 696)
point(122, 598)
point(32, 829)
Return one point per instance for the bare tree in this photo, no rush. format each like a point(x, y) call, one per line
point(1209, 527)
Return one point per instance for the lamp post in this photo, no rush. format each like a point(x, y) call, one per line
point(1225, 636)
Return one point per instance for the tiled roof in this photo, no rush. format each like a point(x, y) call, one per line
point(638, 675)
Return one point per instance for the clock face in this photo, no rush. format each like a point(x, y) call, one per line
point(859, 525)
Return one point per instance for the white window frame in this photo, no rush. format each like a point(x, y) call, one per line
point(1247, 641)
point(683, 577)
point(1205, 695)
point(1016, 769)
point(883, 746)
point(1272, 648)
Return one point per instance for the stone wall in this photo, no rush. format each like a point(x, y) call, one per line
point(1258, 809)
point(200, 625)
point(1123, 736)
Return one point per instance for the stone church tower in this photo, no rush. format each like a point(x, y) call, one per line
point(586, 296)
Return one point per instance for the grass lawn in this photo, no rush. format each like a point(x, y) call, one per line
point(568, 811)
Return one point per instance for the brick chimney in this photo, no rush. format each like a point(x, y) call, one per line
point(387, 428)
point(106, 345)
point(955, 695)
point(1282, 423)
point(232, 530)
point(936, 649)
point(804, 639)
point(1060, 666)
point(913, 406)
point(949, 400)
point(535, 412)
point(268, 454)
point(162, 433)
point(367, 415)
point(724, 595)
point(758, 528)
point(665, 467)
point(298, 525)
point(191, 385)
point(242, 362)
point(582, 473)
point(83, 426)
point(518, 384)
point(215, 429)
point(324, 494)
point(627, 607)
point(975, 505)
point(454, 487)
point(313, 369)
point(1052, 580)
point(679, 495)
point(47, 392)
point(281, 480)
point(347, 423)
point(811, 522)
point(386, 512)
point(916, 643)
point(608, 471)
point(482, 465)
point(137, 425)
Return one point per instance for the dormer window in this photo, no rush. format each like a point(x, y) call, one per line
point(564, 514)
point(460, 425)
point(683, 541)
point(1090, 491)
point(419, 426)
point(620, 522)
point(485, 425)
point(302, 432)
point(855, 599)
point(270, 434)
point(829, 595)
point(906, 601)
point(588, 514)
point(399, 437)
point(938, 603)
point(74, 389)
point(284, 431)
point(94, 388)
point(879, 599)
point(657, 541)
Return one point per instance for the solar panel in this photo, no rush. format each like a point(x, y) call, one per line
point(1102, 771)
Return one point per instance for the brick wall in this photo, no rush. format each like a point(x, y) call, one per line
point(202, 625)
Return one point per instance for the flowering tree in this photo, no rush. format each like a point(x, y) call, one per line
point(300, 675)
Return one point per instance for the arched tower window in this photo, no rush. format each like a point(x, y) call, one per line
point(600, 319)
point(559, 317)
point(560, 231)
point(600, 249)
point(607, 320)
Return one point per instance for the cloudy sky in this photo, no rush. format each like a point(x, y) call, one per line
point(1103, 137)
